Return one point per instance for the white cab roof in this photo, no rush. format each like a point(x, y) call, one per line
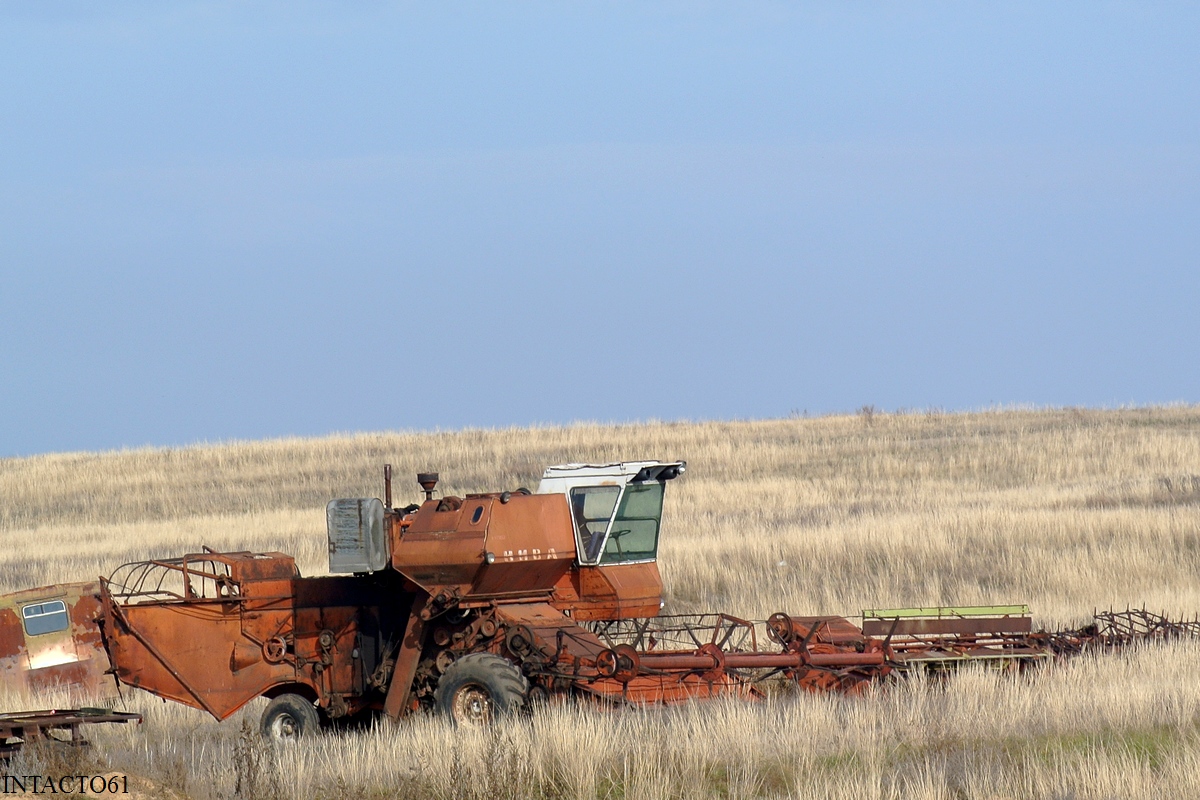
point(561, 477)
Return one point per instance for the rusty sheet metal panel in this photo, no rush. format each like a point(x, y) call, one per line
point(533, 541)
point(261, 566)
point(1020, 610)
point(266, 630)
point(670, 688)
point(432, 551)
point(483, 547)
point(613, 591)
point(824, 630)
point(211, 652)
point(50, 639)
point(187, 651)
point(940, 637)
point(947, 626)
point(534, 628)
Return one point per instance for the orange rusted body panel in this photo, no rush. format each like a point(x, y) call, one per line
point(265, 631)
point(65, 652)
point(617, 591)
point(443, 546)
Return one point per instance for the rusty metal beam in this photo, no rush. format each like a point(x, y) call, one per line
point(396, 702)
point(947, 626)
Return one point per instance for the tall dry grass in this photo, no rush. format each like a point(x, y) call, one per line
point(1102, 726)
point(1067, 510)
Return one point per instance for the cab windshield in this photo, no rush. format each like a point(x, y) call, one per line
point(592, 507)
point(634, 532)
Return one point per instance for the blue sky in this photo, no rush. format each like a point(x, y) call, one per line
point(225, 221)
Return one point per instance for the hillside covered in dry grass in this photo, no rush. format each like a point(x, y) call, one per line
point(1067, 510)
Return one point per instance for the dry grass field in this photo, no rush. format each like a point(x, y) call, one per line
point(1067, 510)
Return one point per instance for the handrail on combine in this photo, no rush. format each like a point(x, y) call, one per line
point(192, 577)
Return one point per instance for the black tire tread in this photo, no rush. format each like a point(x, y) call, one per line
point(504, 677)
point(298, 707)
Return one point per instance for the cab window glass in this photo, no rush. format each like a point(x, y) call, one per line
point(634, 534)
point(592, 507)
point(48, 617)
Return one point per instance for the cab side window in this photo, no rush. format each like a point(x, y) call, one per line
point(592, 507)
point(48, 617)
point(634, 534)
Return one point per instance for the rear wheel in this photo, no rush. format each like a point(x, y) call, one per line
point(289, 717)
point(480, 687)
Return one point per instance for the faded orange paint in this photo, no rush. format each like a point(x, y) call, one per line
point(12, 636)
point(273, 632)
point(530, 540)
point(611, 591)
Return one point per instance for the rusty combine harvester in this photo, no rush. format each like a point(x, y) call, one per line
point(476, 607)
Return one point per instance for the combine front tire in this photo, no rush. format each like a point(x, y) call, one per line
point(480, 687)
point(288, 717)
